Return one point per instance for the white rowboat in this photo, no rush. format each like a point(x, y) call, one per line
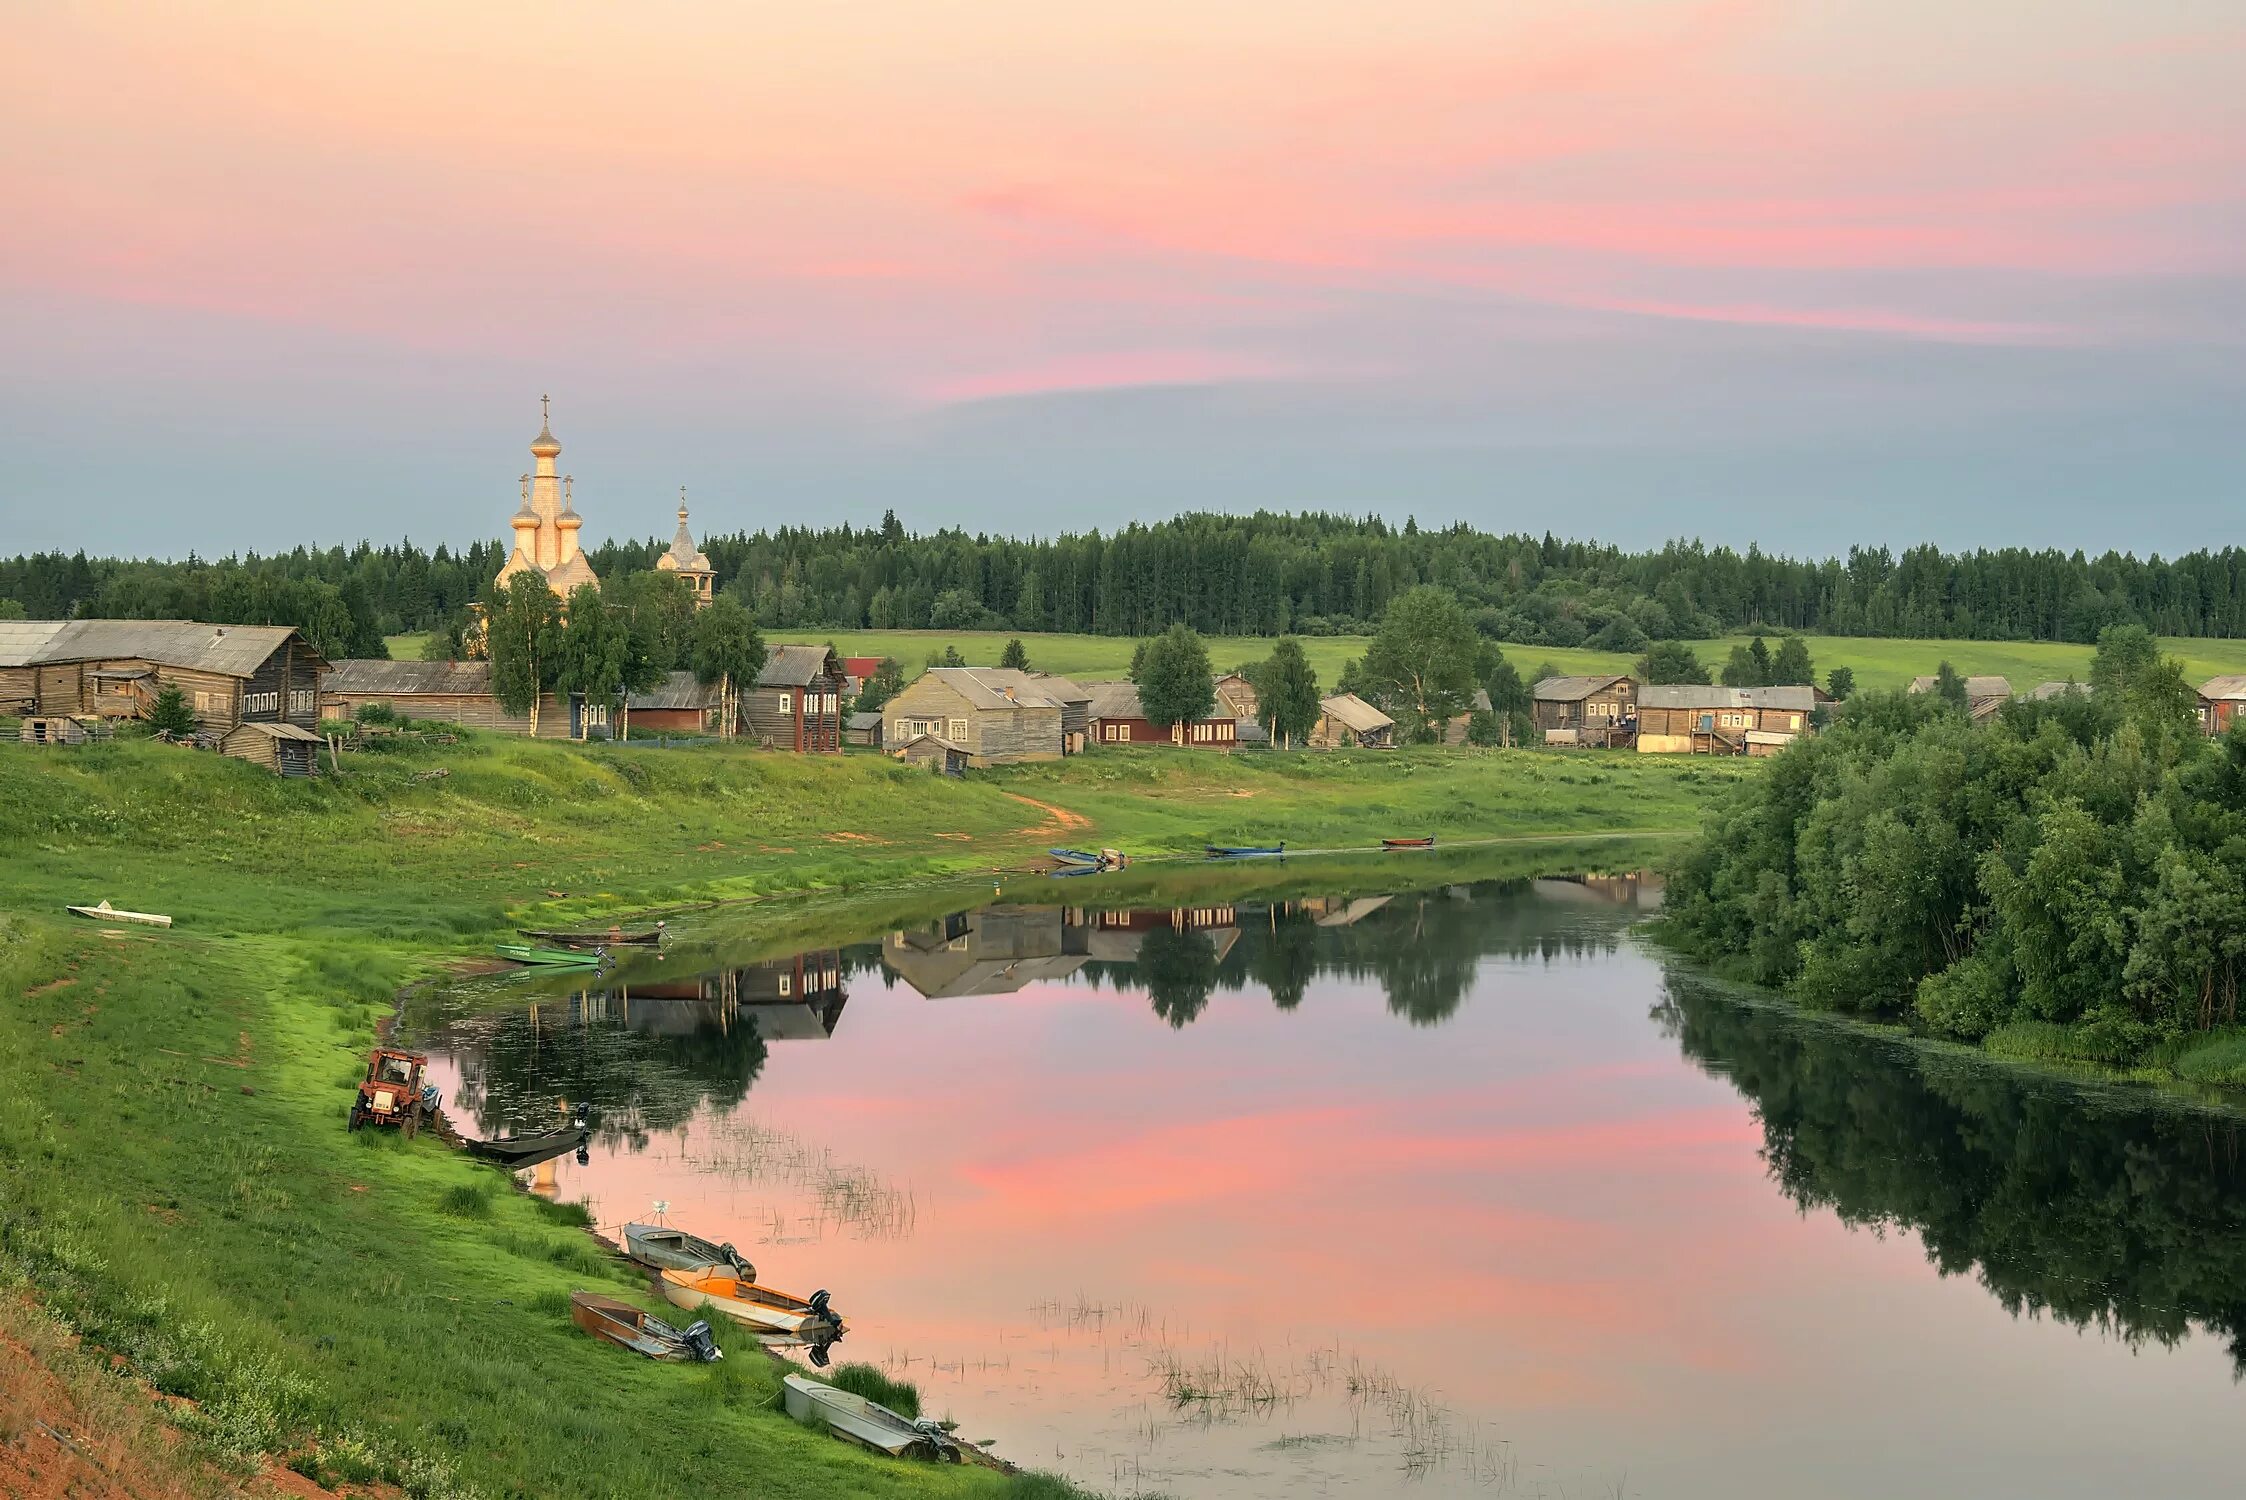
point(107, 913)
point(854, 1419)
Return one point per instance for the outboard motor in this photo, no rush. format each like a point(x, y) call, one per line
point(739, 1262)
point(820, 1309)
point(819, 1356)
point(698, 1339)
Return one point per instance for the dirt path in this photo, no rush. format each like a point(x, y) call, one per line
point(1058, 820)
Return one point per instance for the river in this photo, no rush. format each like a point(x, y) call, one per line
point(1465, 1190)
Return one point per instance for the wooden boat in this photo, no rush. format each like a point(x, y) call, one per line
point(628, 1327)
point(1077, 857)
point(1420, 843)
point(104, 912)
point(766, 1309)
point(854, 1419)
point(529, 1150)
point(662, 1248)
point(613, 938)
point(560, 958)
point(1246, 851)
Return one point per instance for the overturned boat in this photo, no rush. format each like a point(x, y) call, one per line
point(854, 1419)
point(104, 912)
point(765, 1309)
point(629, 1327)
point(662, 1248)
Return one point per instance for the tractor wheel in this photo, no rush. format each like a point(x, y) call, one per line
point(413, 1122)
point(357, 1117)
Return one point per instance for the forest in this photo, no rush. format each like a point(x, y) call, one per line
point(1260, 574)
point(2061, 881)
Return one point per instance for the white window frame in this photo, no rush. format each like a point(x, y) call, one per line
point(958, 733)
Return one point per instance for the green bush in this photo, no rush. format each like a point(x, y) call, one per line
point(871, 1382)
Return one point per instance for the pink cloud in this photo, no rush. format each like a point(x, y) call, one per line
point(1121, 370)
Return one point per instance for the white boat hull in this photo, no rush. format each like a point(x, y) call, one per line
point(107, 913)
point(855, 1419)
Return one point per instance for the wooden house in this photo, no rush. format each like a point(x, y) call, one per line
point(1594, 710)
point(1454, 732)
point(1348, 722)
point(797, 701)
point(1117, 717)
point(1983, 695)
point(1236, 696)
point(1691, 718)
point(1075, 702)
point(2222, 703)
point(936, 753)
point(456, 692)
point(676, 705)
point(283, 749)
point(114, 669)
point(863, 729)
point(995, 715)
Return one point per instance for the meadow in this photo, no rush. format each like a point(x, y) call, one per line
point(182, 1193)
point(1877, 662)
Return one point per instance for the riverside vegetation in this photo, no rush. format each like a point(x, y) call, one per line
point(180, 1191)
point(2062, 883)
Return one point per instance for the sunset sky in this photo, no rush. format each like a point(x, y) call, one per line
point(1887, 271)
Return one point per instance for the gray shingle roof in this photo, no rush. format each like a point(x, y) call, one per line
point(2227, 689)
point(871, 719)
point(1116, 700)
point(995, 687)
point(1706, 695)
point(1354, 712)
point(677, 690)
point(1575, 689)
point(408, 679)
point(1975, 687)
point(230, 650)
point(795, 666)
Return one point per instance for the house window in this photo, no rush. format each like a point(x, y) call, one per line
point(1793, 721)
point(958, 731)
point(787, 702)
point(786, 982)
point(202, 703)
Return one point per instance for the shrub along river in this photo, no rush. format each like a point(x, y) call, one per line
point(1460, 1190)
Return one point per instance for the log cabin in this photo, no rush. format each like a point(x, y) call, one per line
point(2222, 703)
point(283, 749)
point(1594, 710)
point(936, 753)
point(1348, 722)
point(1116, 716)
point(1702, 719)
point(114, 669)
point(456, 692)
point(996, 715)
point(796, 704)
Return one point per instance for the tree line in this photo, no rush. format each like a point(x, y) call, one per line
point(1260, 574)
point(2065, 878)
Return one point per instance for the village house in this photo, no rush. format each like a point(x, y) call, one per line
point(1983, 695)
point(283, 749)
point(1592, 710)
point(936, 753)
point(797, 702)
point(1076, 709)
point(1348, 722)
point(863, 728)
point(994, 715)
point(113, 669)
point(454, 692)
point(2222, 703)
point(677, 705)
point(1694, 718)
point(1117, 717)
point(857, 671)
point(1454, 732)
point(1236, 695)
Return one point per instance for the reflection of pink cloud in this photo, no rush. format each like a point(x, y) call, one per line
point(1118, 371)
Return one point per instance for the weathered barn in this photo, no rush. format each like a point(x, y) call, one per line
point(676, 705)
point(1593, 710)
point(456, 692)
point(2222, 703)
point(797, 701)
point(936, 753)
point(994, 714)
point(1348, 722)
point(1116, 716)
point(1983, 695)
point(54, 731)
point(114, 669)
point(1076, 707)
point(863, 728)
point(1702, 719)
point(283, 749)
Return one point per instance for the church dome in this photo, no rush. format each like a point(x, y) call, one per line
point(545, 445)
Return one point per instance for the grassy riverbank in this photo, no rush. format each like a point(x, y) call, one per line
point(181, 1190)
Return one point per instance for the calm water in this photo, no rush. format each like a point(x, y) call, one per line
point(1463, 1191)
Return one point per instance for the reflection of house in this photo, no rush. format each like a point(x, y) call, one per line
point(1346, 721)
point(1598, 710)
point(1339, 912)
point(1114, 936)
point(1640, 889)
point(995, 951)
point(796, 998)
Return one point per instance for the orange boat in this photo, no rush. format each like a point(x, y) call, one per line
point(766, 1309)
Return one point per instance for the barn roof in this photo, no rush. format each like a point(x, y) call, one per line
point(2226, 689)
point(1575, 689)
point(1115, 700)
point(1709, 695)
point(677, 690)
point(1975, 687)
point(229, 650)
point(796, 666)
point(870, 719)
point(995, 687)
point(2044, 692)
point(1354, 712)
point(276, 731)
point(407, 679)
point(1059, 689)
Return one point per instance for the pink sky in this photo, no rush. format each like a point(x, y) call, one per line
point(874, 241)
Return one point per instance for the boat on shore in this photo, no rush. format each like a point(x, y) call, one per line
point(1076, 857)
point(104, 912)
point(614, 937)
point(752, 1305)
point(662, 1248)
point(1247, 851)
point(1425, 842)
point(868, 1424)
point(529, 1150)
point(558, 958)
point(629, 1327)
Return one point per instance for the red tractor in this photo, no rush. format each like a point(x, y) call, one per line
point(393, 1093)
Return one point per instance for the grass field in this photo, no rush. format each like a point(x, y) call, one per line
point(180, 1188)
point(1877, 663)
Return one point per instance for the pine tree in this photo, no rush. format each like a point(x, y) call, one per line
point(1014, 656)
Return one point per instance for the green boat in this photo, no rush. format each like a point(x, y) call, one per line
point(560, 958)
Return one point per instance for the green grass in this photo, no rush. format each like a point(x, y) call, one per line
point(180, 1186)
point(877, 1386)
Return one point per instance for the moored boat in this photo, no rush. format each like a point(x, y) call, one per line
point(632, 1328)
point(560, 958)
point(869, 1424)
point(614, 937)
point(1077, 857)
point(104, 912)
point(1426, 842)
point(1247, 851)
point(752, 1305)
point(529, 1150)
point(662, 1248)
